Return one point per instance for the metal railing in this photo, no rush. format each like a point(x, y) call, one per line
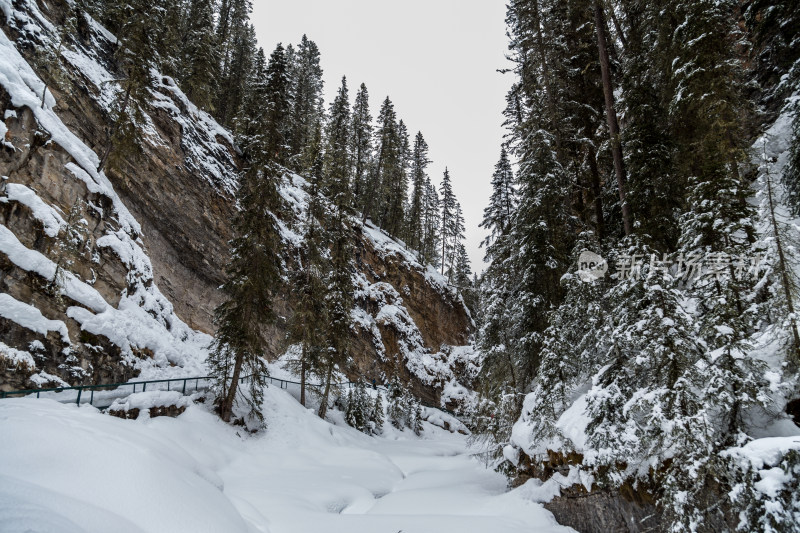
point(105, 394)
point(111, 391)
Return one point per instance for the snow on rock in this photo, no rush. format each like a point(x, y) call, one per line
point(30, 318)
point(200, 136)
point(25, 89)
point(443, 420)
point(148, 399)
point(50, 218)
point(43, 379)
point(144, 319)
point(13, 358)
point(766, 452)
point(433, 369)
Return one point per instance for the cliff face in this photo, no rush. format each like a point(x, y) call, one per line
point(106, 275)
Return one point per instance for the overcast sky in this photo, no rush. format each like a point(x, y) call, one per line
point(436, 60)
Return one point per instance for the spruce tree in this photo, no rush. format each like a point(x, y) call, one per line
point(254, 277)
point(277, 106)
point(306, 105)
point(448, 207)
point(236, 43)
point(309, 285)
point(419, 164)
point(498, 214)
point(361, 147)
point(200, 57)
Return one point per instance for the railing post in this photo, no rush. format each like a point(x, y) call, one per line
point(168, 384)
point(144, 386)
point(184, 386)
point(91, 398)
point(80, 390)
point(134, 388)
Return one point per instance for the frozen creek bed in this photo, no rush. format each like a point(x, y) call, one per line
point(68, 469)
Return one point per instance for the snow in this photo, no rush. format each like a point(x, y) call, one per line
point(30, 318)
point(67, 468)
point(765, 452)
point(146, 400)
point(48, 216)
point(13, 358)
point(33, 261)
point(43, 378)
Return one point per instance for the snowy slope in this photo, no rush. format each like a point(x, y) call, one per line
point(69, 469)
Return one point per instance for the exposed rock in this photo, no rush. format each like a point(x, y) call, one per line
point(793, 410)
point(171, 411)
point(179, 190)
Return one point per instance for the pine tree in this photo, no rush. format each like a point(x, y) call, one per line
point(782, 246)
point(254, 277)
point(388, 180)
point(455, 234)
point(448, 207)
point(376, 415)
point(309, 286)
point(429, 248)
point(419, 164)
point(645, 406)
point(361, 147)
point(497, 216)
point(249, 122)
point(236, 41)
point(349, 414)
point(338, 132)
point(657, 191)
point(791, 174)
point(277, 106)
point(306, 106)
point(200, 56)
point(339, 301)
point(416, 420)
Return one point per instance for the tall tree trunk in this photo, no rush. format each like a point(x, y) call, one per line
point(611, 116)
point(618, 27)
point(226, 408)
point(784, 269)
point(597, 191)
point(551, 99)
point(323, 407)
point(303, 377)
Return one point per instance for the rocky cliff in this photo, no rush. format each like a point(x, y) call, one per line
point(108, 275)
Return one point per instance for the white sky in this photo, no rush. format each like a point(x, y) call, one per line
point(436, 60)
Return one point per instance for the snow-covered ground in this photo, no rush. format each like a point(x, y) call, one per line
point(66, 469)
